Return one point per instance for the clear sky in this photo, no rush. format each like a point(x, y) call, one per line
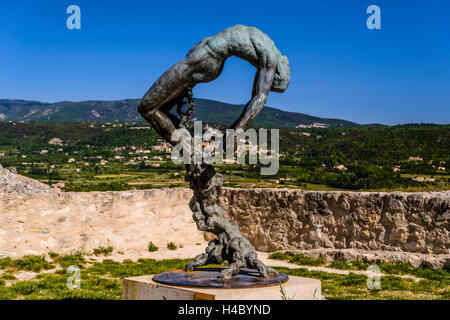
point(340, 68)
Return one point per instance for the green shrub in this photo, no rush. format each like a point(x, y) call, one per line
point(342, 265)
point(152, 247)
point(53, 255)
point(172, 246)
point(298, 259)
point(27, 263)
point(75, 259)
point(103, 251)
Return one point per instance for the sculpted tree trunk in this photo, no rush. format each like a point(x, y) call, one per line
point(230, 245)
point(204, 63)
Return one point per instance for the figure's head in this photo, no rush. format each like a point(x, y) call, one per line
point(282, 75)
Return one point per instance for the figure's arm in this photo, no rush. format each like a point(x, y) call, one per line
point(261, 88)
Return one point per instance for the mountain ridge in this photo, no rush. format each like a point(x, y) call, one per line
point(209, 111)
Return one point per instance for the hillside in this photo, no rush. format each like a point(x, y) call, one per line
point(122, 156)
point(125, 110)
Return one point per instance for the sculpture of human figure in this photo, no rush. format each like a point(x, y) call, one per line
point(204, 63)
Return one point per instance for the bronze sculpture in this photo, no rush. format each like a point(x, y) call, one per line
point(204, 63)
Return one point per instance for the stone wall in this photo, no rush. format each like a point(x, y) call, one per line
point(293, 219)
point(272, 219)
point(66, 222)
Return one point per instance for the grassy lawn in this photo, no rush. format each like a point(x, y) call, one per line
point(426, 284)
point(99, 280)
point(103, 279)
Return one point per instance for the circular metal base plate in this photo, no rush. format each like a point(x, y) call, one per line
point(209, 278)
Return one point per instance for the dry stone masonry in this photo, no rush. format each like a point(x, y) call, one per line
point(274, 219)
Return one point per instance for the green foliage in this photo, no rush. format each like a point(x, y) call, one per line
point(374, 158)
point(152, 247)
point(369, 155)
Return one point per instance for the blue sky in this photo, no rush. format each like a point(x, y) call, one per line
point(340, 69)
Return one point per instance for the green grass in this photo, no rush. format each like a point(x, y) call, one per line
point(75, 259)
point(99, 280)
point(27, 263)
point(54, 286)
point(103, 280)
point(7, 276)
point(432, 284)
point(354, 286)
point(298, 259)
point(399, 268)
point(103, 251)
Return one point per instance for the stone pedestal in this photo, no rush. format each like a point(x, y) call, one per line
point(144, 288)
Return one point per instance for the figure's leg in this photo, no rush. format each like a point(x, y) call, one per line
point(254, 263)
point(213, 255)
point(235, 258)
point(166, 110)
point(231, 271)
point(163, 96)
point(199, 260)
